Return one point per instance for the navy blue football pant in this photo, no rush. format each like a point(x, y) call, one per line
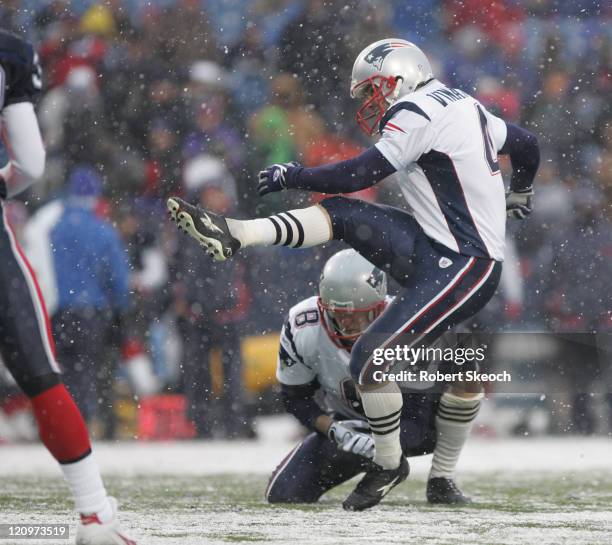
point(316, 465)
point(440, 288)
point(28, 352)
point(26, 344)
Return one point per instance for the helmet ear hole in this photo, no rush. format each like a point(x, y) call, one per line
point(399, 81)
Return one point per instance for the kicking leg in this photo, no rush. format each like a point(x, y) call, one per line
point(301, 228)
point(382, 234)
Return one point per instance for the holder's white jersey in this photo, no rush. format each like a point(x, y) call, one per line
point(308, 353)
point(444, 145)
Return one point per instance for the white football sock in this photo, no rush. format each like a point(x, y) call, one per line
point(453, 423)
point(301, 228)
point(83, 478)
point(383, 408)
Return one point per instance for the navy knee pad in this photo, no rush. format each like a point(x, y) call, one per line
point(384, 235)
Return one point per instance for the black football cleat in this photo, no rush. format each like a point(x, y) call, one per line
point(444, 490)
point(375, 485)
point(209, 229)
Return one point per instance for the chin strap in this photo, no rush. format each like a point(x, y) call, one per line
point(396, 92)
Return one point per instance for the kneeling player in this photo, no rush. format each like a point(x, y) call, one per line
point(314, 356)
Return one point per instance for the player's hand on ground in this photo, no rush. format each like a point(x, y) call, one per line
point(274, 178)
point(349, 436)
point(519, 204)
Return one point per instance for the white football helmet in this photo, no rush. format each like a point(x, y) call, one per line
point(383, 72)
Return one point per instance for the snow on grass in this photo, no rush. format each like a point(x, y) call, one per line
point(279, 434)
point(530, 491)
point(182, 509)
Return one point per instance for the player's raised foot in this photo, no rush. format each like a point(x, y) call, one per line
point(444, 490)
point(209, 229)
point(375, 485)
point(91, 531)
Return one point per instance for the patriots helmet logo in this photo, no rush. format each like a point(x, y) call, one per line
point(377, 56)
point(377, 280)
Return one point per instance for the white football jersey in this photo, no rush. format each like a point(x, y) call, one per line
point(308, 353)
point(444, 145)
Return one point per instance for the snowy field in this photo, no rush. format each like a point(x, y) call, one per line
point(527, 491)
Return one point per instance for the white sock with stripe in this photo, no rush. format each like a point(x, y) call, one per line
point(453, 423)
point(383, 408)
point(301, 228)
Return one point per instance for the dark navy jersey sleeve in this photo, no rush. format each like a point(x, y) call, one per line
point(300, 402)
point(348, 176)
point(20, 72)
point(522, 147)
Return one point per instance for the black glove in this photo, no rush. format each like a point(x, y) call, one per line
point(275, 177)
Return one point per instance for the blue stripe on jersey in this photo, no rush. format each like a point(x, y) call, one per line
point(286, 358)
point(289, 336)
point(410, 106)
point(442, 176)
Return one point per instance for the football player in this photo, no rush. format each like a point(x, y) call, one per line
point(25, 339)
point(441, 145)
point(314, 354)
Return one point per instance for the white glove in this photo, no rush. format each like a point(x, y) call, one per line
point(344, 433)
point(519, 204)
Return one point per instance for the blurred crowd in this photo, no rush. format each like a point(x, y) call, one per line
point(192, 97)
